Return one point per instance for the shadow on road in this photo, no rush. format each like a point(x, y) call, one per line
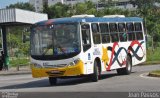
point(61, 82)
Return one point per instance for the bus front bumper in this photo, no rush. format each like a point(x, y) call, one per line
point(75, 70)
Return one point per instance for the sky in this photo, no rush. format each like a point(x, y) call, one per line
point(4, 3)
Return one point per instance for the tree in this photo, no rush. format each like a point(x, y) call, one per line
point(148, 10)
point(81, 8)
point(85, 8)
point(20, 5)
point(56, 11)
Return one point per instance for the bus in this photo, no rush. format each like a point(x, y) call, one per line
point(86, 46)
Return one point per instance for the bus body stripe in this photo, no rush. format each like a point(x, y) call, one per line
point(114, 55)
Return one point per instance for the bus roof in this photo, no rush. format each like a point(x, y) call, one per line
point(89, 19)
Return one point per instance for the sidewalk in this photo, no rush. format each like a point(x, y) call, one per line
point(14, 71)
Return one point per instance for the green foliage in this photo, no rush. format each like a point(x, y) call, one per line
point(20, 5)
point(153, 55)
point(156, 72)
point(56, 11)
point(16, 62)
point(14, 42)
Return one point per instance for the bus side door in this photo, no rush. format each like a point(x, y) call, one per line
point(87, 50)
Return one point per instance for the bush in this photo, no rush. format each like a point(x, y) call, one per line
point(16, 62)
point(153, 55)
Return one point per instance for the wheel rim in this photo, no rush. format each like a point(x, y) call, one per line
point(97, 73)
point(128, 66)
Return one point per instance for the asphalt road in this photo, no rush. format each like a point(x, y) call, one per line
point(110, 82)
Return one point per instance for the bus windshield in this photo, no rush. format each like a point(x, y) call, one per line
point(54, 40)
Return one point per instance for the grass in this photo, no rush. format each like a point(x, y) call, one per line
point(155, 73)
point(21, 62)
point(153, 57)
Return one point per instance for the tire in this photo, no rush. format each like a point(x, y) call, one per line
point(52, 81)
point(127, 70)
point(1, 65)
point(96, 73)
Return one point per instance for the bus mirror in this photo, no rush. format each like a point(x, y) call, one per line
point(25, 38)
point(25, 34)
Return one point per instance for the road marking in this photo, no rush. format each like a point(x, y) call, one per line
point(144, 75)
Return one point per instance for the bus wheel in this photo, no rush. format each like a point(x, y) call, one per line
point(96, 73)
point(52, 80)
point(1, 65)
point(127, 70)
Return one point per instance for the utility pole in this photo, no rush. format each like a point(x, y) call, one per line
point(97, 5)
point(35, 4)
point(62, 1)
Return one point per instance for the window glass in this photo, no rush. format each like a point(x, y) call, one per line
point(104, 32)
point(113, 32)
point(138, 27)
point(104, 27)
point(138, 31)
point(122, 32)
point(105, 38)
point(96, 33)
point(130, 26)
point(130, 31)
point(95, 28)
point(86, 39)
point(121, 27)
point(113, 27)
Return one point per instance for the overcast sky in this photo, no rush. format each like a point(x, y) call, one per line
point(4, 3)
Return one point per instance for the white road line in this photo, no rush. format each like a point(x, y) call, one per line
point(144, 75)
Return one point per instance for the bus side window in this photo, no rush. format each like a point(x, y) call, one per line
point(86, 38)
point(113, 32)
point(130, 31)
point(122, 32)
point(96, 33)
point(104, 32)
point(138, 31)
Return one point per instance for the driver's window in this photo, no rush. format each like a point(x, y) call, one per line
point(86, 38)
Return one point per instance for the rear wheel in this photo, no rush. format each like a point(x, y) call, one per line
point(127, 70)
point(96, 72)
point(52, 80)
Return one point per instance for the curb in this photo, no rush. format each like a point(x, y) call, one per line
point(14, 73)
point(148, 64)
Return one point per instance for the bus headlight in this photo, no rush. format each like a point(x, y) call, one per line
point(74, 62)
point(37, 65)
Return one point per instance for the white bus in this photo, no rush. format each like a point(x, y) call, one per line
point(78, 46)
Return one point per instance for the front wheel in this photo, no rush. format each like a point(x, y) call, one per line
point(1, 65)
point(96, 72)
point(52, 81)
point(127, 70)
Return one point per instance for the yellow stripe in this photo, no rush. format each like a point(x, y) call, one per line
point(75, 70)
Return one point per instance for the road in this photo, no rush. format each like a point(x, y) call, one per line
point(110, 82)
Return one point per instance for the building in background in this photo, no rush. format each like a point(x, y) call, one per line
point(124, 4)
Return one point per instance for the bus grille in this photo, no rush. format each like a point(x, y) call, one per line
point(55, 73)
point(55, 66)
